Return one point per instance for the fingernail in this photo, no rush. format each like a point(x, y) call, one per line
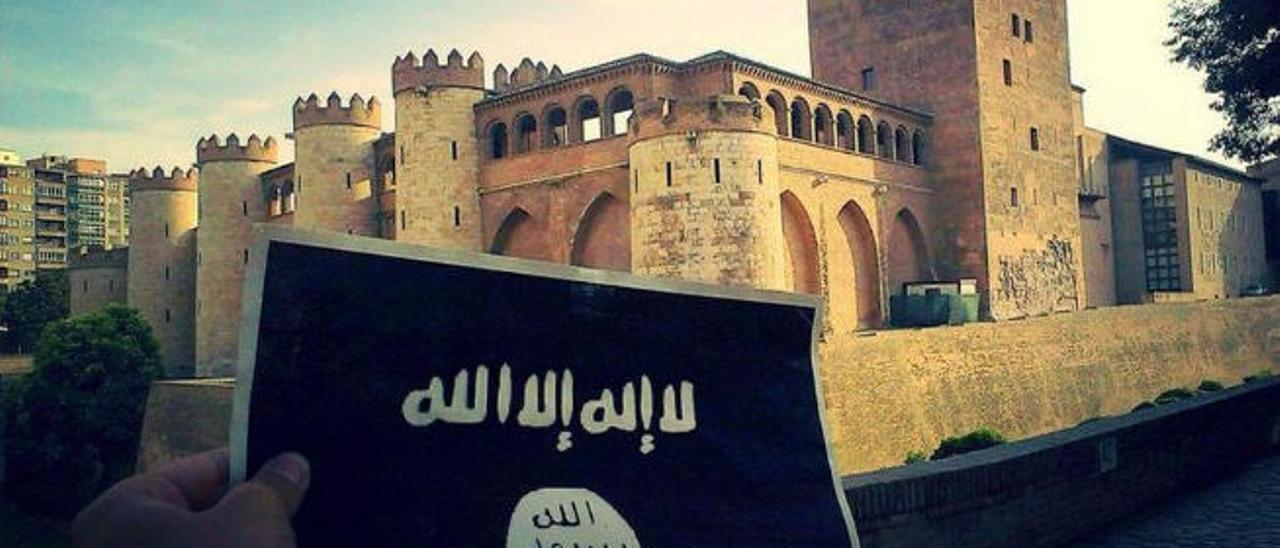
point(290, 466)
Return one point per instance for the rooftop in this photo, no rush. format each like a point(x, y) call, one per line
point(1191, 158)
point(713, 57)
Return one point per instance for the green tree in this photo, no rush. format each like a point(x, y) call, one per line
point(979, 439)
point(1236, 43)
point(31, 306)
point(73, 422)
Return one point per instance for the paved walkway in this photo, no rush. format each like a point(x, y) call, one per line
point(1239, 512)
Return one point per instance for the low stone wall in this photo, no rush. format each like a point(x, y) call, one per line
point(891, 392)
point(1050, 490)
point(184, 418)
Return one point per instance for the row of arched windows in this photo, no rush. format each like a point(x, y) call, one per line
point(585, 121)
point(839, 130)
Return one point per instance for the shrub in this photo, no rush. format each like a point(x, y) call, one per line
point(1174, 395)
point(1143, 405)
point(1210, 385)
point(1261, 375)
point(73, 422)
point(977, 440)
point(915, 457)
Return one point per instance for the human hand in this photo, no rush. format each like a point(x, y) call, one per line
point(186, 503)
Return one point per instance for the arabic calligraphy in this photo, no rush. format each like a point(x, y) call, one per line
point(548, 401)
point(566, 518)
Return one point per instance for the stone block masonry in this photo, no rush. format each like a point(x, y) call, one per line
point(900, 391)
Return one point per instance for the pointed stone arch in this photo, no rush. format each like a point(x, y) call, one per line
point(908, 257)
point(603, 237)
point(517, 236)
point(802, 245)
point(866, 264)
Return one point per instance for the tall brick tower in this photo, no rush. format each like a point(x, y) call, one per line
point(437, 153)
point(333, 165)
point(996, 76)
point(230, 202)
point(162, 262)
point(704, 196)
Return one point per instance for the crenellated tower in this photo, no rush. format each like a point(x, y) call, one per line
point(162, 262)
point(333, 166)
point(437, 152)
point(704, 193)
point(230, 197)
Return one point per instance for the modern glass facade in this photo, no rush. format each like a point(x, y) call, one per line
point(1160, 227)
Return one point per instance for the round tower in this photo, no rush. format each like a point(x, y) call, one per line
point(704, 193)
point(162, 262)
point(437, 152)
point(333, 164)
point(230, 197)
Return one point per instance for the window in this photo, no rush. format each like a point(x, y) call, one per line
point(453, 149)
point(84, 286)
point(526, 133)
point(244, 208)
point(1035, 138)
point(588, 113)
point(760, 171)
point(457, 216)
point(166, 272)
point(717, 170)
point(167, 316)
point(401, 154)
point(1008, 73)
point(166, 230)
point(1017, 26)
point(1026, 31)
point(868, 79)
point(348, 180)
point(246, 256)
point(1013, 197)
point(497, 140)
point(635, 180)
point(668, 173)
point(1159, 228)
point(401, 219)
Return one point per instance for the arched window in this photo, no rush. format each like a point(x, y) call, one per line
point(556, 124)
point(588, 114)
point(801, 120)
point(844, 131)
point(779, 106)
point(866, 136)
point(621, 104)
point(917, 148)
point(902, 145)
point(526, 133)
point(497, 140)
point(749, 91)
point(884, 140)
point(822, 126)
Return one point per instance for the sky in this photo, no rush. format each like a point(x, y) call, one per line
point(138, 82)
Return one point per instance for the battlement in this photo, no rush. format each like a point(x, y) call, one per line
point(156, 179)
point(525, 75)
point(332, 113)
point(211, 149)
point(408, 72)
point(692, 115)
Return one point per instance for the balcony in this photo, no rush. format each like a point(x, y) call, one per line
point(50, 215)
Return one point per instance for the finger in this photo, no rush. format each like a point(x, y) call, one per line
point(202, 478)
point(276, 490)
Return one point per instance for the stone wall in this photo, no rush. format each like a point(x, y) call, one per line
point(184, 418)
point(1224, 227)
point(900, 391)
point(162, 271)
point(1057, 488)
point(334, 164)
point(94, 284)
point(230, 198)
point(437, 164)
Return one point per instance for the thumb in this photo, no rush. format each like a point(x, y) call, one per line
point(275, 491)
